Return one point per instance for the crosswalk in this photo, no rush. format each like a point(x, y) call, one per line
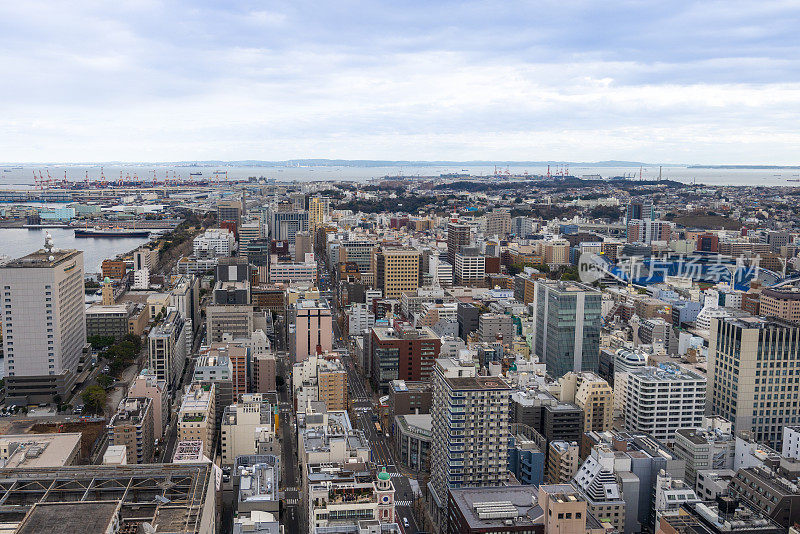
point(403, 503)
point(292, 501)
point(291, 488)
point(394, 475)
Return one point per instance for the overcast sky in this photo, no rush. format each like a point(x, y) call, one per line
point(139, 80)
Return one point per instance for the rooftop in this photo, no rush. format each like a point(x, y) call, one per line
point(109, 309)
point(56, 518)
point(39, 450)
point(752, 321)
point(477, 383)
point(489, 507)
point(43, 259)
point(170, 495)
point(666, 372)
point(403, 332)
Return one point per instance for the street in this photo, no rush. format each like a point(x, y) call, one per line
point(366, 409)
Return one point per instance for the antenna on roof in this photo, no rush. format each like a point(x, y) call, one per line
point(48, 242)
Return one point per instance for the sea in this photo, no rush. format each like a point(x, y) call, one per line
point(16, 242)
point(22, 176)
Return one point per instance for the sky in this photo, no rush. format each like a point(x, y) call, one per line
point(143, 80)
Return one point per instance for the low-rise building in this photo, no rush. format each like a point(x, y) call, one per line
point(711, 446)
point(115, 320)
point(772, 491)
point(39, 450)
point(249, 428)
point(725, 516)
point(713, 483)
point(258, 479)
point(412, 441)
point(546, 509)
point(348, 493)
point(598, 484)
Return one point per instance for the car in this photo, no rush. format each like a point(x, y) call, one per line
point(405, 522)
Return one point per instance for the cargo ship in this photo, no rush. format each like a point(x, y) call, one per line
point(111, 232)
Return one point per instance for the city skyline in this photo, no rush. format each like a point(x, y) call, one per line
point(145, 81)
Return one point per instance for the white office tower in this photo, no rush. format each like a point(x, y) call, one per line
point(44, 324)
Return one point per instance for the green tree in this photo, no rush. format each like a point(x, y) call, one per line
point(100, 342)
point(105, 381)
point(94, 398)
point(136, 340)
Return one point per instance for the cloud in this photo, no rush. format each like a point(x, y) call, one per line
point(149, 80)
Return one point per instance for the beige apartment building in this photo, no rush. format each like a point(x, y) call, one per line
point(593, 395)
point(332, 380)
point(133, 427)
point(783, 303)
point(196, 417)
point(562, 462)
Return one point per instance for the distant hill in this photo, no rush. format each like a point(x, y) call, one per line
point(707, 222)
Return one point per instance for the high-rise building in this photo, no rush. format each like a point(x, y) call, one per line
point(660, 400)
point(148, 385)
point(753, 368)
point(313, 332)
point(284, 225)
point(458, 235)
point(647, 231)
point(303, 244)
point(358, 252)
point(402, 353)
point(498, 222)
point(167, 348)
point(248, 427)
point(214, 242)
point(396, 270)
point(133, 427)
point(566, 326)
point(44, 323)
point(468, 318)
point(185, 297)
point(236, 320)
point(470, 430)
point(316, 215)
point(332, 384)
point(469, 268)
point(496, 327)
point(710, 446)
point(265, 368)
point(197, 416)
point(591, 394)
point(783, 303)
point(230, 211)
point(640, 209)
point(248, 233)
